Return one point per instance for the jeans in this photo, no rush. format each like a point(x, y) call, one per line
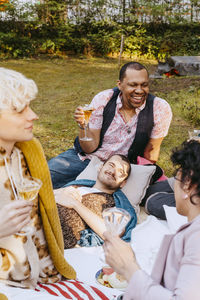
point(66, 167)
point(157, 195)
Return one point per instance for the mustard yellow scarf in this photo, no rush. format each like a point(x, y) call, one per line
point(38, 168)
point(3, 297)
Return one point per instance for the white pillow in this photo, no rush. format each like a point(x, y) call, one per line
point(174, 219)
point(136, 185)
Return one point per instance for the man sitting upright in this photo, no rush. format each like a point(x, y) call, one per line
point(80, 207)
point(126, 120)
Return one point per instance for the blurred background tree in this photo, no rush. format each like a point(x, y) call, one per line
point(151, 28)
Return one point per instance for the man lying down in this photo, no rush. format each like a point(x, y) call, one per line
point(81, 203)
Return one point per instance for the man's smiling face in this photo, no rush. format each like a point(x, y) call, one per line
point(134, 88)
point(114, 172)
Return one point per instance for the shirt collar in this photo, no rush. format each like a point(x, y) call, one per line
point(196, 219)
point(119, 103)
point(3, 153)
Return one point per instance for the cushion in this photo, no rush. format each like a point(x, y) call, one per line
point(174, 219)
point(144, 161)
point(136, 185)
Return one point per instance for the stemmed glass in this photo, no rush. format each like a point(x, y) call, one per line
point(87, 110)
point(115, 220)
point(28, 189)
point(194, 134)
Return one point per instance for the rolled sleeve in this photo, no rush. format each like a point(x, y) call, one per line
point(162, 118)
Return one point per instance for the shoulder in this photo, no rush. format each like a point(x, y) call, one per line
point(193, 228)
point(162, 111)
point(190, 236)
point(161, 103)
point(102, 98)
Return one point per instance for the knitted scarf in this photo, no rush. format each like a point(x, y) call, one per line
point(3, 297)
point(38, 168)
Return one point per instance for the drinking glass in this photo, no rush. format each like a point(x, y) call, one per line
point(27, 189)
point(87, 110)
point(194, 134)
point(115, 220)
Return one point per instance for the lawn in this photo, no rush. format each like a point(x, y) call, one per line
point(66, 83)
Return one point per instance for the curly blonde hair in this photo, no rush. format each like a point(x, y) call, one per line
point(16, 91)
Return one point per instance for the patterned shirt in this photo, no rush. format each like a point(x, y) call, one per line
point(24, 260)
point(120, 135)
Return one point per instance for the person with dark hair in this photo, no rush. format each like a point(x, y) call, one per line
point(176, 271)
point(126, 119)
point(81, 203)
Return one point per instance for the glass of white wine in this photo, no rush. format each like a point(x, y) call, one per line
point(87, 110)
point(27, 189)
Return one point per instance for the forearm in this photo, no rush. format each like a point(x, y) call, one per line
point(152, 150)
point(95, 222)
point(89, 146)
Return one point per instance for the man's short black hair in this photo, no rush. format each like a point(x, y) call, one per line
point(131, 65)
point(124, 158)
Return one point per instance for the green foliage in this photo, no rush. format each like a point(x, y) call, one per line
point(190, 106)
point(96, 29)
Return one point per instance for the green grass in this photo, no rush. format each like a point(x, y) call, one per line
point(66, 83)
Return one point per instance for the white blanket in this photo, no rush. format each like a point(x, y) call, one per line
point(145, 241)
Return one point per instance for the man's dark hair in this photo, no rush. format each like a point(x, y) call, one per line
point(131, 65)
point(187, 160)
point(124, 158)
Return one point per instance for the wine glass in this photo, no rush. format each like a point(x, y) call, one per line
point(115, 220)
point(87, 110)
point(27, 189)
point(194, 134)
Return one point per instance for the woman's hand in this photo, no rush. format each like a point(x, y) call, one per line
point(14, 216)
point(79, 116)
point(68, 197)
point(120, 256)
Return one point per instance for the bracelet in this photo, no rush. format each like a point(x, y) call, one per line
point(81, 127)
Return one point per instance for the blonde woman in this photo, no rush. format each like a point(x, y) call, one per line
point(38, 257)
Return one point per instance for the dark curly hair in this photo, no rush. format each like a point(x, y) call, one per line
point(187, 160)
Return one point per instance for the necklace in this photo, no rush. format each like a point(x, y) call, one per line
point(126, 121)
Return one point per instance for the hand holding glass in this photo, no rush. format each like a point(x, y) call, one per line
point(115, 220)
point(87, 110)
point(28, 189)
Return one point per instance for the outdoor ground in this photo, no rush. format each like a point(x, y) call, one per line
point(66, 83)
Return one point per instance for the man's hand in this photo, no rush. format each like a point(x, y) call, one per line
point(14, 216)
point(68, 197)
point(79, 116)
point(120, 256)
